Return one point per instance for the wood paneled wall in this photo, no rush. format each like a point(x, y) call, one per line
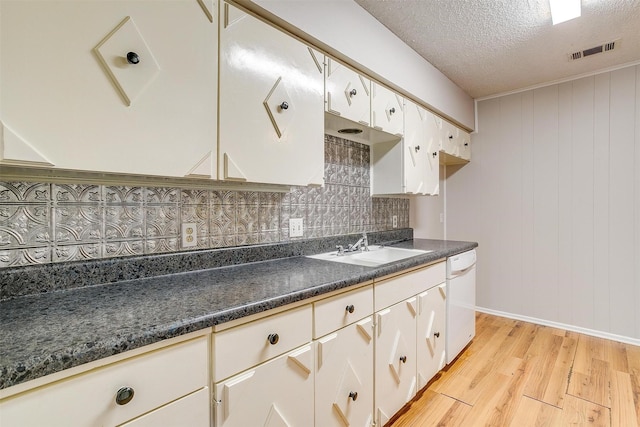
point(552, 195)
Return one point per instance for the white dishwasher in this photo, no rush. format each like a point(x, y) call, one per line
point(461, 302)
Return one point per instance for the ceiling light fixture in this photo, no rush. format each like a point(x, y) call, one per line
point(564, 10)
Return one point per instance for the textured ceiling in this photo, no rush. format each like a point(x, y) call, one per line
point(492, 46)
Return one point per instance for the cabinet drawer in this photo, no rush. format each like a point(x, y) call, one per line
point(341, 310)
point(89, 399)
point(192, 410)
point(242, 347)
point(395, 289)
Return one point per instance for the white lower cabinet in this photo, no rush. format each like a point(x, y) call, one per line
point(344, 359)
point(122, 392)
point(395, 364)
point(276, 393)
point(431, 332)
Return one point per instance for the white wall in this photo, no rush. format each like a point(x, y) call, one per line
point(552, 195)
point(424, 213)
point(345, 29)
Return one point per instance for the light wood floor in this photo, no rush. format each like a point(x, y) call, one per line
point(520, 374)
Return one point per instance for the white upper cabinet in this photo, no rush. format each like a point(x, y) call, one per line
point(411, 165)
point(454, 143)
point(386, 110)
point(347, 93)
point(111, 86)
point(271, 121)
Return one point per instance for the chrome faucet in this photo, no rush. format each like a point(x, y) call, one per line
point(362, 244)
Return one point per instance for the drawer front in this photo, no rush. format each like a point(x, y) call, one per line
point(242, 347)
point(393, 290)
point(89, 399)
point(341, 310)
point(192, 410)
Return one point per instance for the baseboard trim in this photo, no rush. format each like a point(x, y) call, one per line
point(573, 328)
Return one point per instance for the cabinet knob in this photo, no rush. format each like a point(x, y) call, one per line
point(124, 395)
point(466, 144)
point(417, 148)
point(434, 154)
point(353, 395)
point(350, 308)
point(436, 334)
point(450, 136)
point(403, 359)
point(273, 339)
point(353, 92)
point(284, 105)
point(392, 110)
point(133, 58)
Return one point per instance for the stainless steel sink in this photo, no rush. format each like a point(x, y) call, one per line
point(374, 257)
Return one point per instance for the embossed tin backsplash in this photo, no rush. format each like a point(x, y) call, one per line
point(43, 222)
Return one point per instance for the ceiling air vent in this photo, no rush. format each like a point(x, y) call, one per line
point(594, 50)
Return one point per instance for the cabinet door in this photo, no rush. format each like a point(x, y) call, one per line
point(431, 333)
point(387, 110)
point(465, 145)
point(416, 149)
point(395, 362)
point(344, 376)
point(276, 393)
point(348, 94)
point(271, 104)
point(432, 170)
point(71, 99)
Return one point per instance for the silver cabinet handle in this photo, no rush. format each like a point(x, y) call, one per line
point(133, 58)
point(353, 92)
point(124, 395)
point(403, 359)
point(392, 110)
point(353, 395)
point(284, 105)
point(273, 339)
point(350, 308)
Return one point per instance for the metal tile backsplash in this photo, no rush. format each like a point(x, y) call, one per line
point(43, 222)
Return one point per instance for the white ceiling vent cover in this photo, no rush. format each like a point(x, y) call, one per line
point(605, 47)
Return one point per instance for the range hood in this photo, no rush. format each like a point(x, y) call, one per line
point(354, 131)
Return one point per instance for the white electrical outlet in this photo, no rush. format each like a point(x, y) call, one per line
point(295, 227)
point(395, 221)
point(189, 235)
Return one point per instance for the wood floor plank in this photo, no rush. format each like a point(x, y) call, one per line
point(594, 385)
point(633, 359)
point(559, 380)
point(527, 333)
point(543, 355)
point(580, 412)
point(442, 411)
point(623, 410)
point(533, 413)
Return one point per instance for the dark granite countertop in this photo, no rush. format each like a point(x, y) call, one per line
point(45, 333)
